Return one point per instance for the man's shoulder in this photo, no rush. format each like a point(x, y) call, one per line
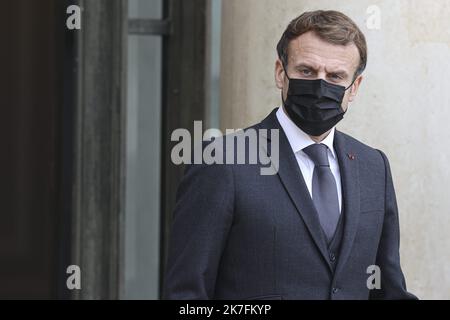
point(351, 141)
point(363, 150)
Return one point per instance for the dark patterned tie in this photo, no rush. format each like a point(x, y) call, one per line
point(324, 190)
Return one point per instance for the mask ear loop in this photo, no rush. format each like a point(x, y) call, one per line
point(354, 80)
point(287, 76)
point(285, 72)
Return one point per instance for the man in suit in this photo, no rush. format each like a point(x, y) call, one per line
point(314, 229)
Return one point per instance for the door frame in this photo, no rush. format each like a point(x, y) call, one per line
point(97, 190)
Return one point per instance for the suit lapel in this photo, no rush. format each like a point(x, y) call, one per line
point(292, 179)
point(349, 170)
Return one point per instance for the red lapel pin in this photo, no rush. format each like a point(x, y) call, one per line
point(351, 156)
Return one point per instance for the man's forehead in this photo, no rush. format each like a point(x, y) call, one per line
point(308, 48)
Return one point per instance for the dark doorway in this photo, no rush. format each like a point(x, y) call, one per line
point(30, 136)
point(63, 139)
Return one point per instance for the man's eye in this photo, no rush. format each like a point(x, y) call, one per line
point(306, 72)
point(336, 77)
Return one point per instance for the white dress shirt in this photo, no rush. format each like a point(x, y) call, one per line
point(299, 140)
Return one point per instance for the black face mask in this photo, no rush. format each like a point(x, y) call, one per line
point(315, 106)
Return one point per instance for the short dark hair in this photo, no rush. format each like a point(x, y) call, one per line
point(331, 26)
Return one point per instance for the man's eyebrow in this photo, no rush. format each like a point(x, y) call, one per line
point(305, 65)
point(340, 72)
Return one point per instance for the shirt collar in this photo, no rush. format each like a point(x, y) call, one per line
point(297, 138)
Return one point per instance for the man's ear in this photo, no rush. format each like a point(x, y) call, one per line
point(279, 74)
point(355, 87)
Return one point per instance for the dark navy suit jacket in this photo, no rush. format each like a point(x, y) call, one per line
point(238, 234)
